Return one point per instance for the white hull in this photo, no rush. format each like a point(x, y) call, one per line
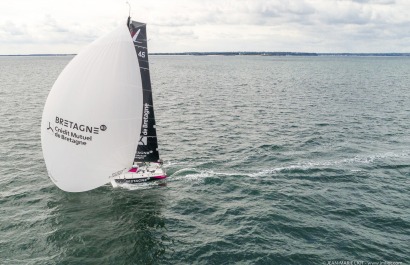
point(140, 174)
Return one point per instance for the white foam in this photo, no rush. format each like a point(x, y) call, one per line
point(168, 164)
point(331, 163)
point(191, 175)
point(196, 175)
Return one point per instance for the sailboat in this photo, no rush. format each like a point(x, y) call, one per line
point(98, 123)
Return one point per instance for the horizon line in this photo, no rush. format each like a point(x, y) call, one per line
point(243, 53)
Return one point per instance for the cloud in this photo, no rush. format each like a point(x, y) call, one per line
point(11, 32)
point(226, 12)
point(50, 24)
point(379, 2)
point(12, 29)
point(205, 25)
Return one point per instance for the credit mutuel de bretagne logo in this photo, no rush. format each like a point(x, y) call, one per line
point(73, 132)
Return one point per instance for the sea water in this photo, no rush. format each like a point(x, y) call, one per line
point(271, 160)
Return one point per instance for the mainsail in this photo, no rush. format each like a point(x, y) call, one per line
point(147, 150)
point(94, 112)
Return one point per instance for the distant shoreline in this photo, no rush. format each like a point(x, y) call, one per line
point(40, 54)
point(282, 54)
point(244, 53)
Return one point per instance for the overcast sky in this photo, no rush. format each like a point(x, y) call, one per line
point(65, 26)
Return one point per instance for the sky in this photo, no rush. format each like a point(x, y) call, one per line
point(328, 26)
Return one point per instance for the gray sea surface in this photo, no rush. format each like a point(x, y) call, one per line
point(271, 160)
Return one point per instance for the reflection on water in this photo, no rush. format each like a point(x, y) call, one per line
point(109, 225)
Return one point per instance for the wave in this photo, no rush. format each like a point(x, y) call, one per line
point(198, 175)
point(357, 160)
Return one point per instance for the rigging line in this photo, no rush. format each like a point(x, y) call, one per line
point(129, 8)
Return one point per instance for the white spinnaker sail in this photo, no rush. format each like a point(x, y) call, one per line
point(92, 117)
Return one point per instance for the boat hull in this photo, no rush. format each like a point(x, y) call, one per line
point(141, 173)
point(137, 180)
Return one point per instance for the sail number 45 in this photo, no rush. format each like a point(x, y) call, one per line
point(141, 54)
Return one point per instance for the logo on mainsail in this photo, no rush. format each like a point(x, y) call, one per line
point(143, 140)
point(79, 126)
point(49, 127)
point(134, 38)
point(73, 132)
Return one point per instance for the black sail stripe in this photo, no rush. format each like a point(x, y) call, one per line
point(147, 150)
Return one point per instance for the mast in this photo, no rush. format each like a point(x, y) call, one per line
point(147, 149)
